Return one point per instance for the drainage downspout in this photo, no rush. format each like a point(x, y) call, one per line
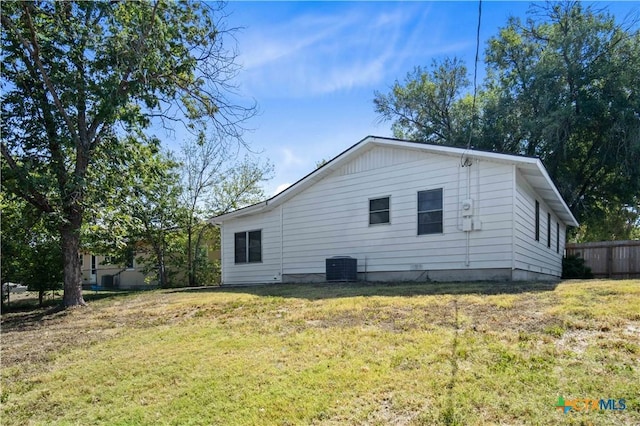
point(514, 200)
point(467, 261)
point(223, 269)
point(281, 242)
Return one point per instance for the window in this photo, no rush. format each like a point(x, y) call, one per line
point(549, 230)
point(94, 270)
point(430, 212)
point(248, 247)
point(379, 210)
point(557, 237)
point(537, 221)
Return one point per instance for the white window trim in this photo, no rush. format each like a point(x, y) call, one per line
point(426, 211)
point(369, 211)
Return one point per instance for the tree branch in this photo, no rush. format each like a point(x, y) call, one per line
point(34, 52)
point(31, 195)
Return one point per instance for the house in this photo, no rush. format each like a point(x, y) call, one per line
point(404, 211)
point(100, 271)
point(138, 270)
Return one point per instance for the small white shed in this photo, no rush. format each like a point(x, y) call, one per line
point(405, 211)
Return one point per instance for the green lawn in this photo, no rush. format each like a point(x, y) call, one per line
point(467, 354)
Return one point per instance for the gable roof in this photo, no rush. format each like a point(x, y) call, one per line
point(531, 169)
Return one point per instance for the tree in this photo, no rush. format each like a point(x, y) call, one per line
point(211, 174)
point(31, 253)
point(160, 210)
point(140, 212)
point(321, 163)
point(619, 222)
point(425, 108)
point(77, 76)
point(156, 212)
point(563, 86)
point(201, 163)
point(239, 185)
point(566, 87)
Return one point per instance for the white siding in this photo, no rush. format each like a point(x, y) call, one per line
point(529, 254)
point(331, 217)
point(266, 271)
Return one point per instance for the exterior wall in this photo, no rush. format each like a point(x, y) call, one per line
point(531, 257)
point(123, 278)
point(331, 218)
point(269, 270)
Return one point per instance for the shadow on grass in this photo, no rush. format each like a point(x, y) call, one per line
point(23, 313)
point(27, 317)
point(339, 290)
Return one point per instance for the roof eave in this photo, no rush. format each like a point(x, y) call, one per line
point(254, 208)
point(297, 187)
point(563, 211)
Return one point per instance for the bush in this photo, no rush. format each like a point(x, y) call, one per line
point(573, 267)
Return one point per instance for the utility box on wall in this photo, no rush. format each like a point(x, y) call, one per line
point(341, 268)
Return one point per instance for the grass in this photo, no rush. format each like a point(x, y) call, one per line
point(419, 354)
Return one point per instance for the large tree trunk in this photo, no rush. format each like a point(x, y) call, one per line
point(71, 262)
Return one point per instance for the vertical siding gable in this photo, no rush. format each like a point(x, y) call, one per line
point(379, 157)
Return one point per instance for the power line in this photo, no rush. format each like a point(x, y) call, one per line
point(475, 73)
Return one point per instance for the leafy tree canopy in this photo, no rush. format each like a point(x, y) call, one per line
point(31, 253)
point(78, 77)
point(564, 86)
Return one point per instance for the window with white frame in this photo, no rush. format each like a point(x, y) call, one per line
point(430, 212)
point(379, 211)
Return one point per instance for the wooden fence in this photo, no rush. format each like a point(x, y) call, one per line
point(609, 259)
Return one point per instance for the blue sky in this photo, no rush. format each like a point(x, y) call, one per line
point(313, 67)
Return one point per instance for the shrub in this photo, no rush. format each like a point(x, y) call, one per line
point(573, 267)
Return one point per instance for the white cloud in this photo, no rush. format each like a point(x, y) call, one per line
point(325, 53)
point(281, 188)
point(286, 40)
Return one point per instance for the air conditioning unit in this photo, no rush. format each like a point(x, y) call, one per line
point(341, 268)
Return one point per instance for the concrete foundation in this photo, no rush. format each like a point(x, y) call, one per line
point(451, 275)
point(304, 278)
point(521, 275)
